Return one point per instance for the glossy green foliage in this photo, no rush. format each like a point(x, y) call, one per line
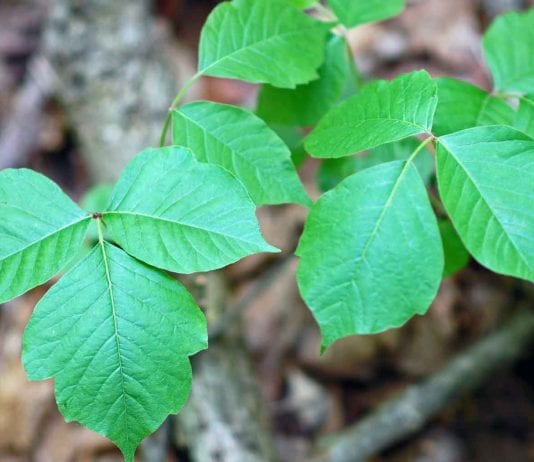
point(463, 105)
point(456, 255)
point(293, 138)
point(41, 229)
point(182, 215)
point(486, 181)
point(509, 51)
point(524, 119)
point(354, 12)
point(306, 104)
point(115, 334)
point(371, 254)
point(382, 112)
point(262, 41)
point(332, 171)
point(239, 141)
point(303, 3)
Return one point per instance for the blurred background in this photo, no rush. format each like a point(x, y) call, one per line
point(84, 85)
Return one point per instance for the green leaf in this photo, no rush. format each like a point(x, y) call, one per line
point(524, 120)
point(262, 41)
point(306, 104)
point(462, 105)
point(354, 12)
point(486, 181)
point(242, 143)
point(509, 51)
point(293, 139)
point(115, 334)
point(41, 229)
point(382, 112)
point(303, 3)
point(371, 255)
point(456, 255)
point(173, 212)
point(332, 171)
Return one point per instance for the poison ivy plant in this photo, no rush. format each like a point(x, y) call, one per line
point(303, 3)
point(306, 104)
point(352, 13)
point(508, 52)
point(486, 181)
point(40, 230)
point(196, 206)
point(462, 105)
point(116, 332)
point(524, 119)
point(262, 41)
point(371, 255)
point(243, 144)
point(332, 171)
point(456, 255)
point(382, 112)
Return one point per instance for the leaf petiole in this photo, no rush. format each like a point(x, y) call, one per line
point(419, 148)
point(176, 101)
point(99, 222)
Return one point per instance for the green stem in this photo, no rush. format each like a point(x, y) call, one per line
point(100, 231)
point(419, 148)
point(176, 101)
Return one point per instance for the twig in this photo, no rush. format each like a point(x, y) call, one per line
point(20, 135)
point(408, 412)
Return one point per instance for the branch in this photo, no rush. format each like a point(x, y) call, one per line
point(408, 412)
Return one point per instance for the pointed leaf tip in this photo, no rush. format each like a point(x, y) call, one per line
point(199, 218)
point(244, 145)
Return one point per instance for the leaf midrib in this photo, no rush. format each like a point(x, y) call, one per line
point(386, 207)
point(175, 222)
point(379, 221)
point(116, 331)
point(258, 43)
point(475, 185)
point(237, 152)
point(380, 119)
point(46, 236)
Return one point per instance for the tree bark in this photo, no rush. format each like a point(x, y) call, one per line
point(115, 83)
